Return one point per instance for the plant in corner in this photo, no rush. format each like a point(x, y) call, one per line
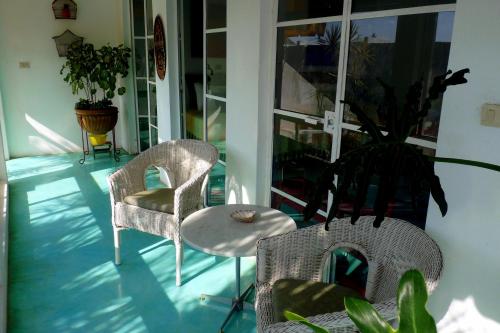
point(388, 157)
point(94, 72)
point(412, 314)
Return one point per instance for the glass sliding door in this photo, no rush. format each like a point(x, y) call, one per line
point(203, 55)
point(215, 93)
point(306, 80)
point(144, 73)
point(328, 51)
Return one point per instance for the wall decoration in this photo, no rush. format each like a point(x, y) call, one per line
point(64, 9)
point(160, 48)
point(65, 40)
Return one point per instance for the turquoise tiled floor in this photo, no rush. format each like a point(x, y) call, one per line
point(61, 274)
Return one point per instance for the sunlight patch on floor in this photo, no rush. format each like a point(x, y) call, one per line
point(61, 272)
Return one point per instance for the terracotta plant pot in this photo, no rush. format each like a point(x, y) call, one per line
point(99, 121)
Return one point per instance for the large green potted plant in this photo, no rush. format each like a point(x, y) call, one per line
point(387, 157)
point(95, 73)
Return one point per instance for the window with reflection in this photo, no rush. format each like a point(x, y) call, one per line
point(143, 133)
point(216, 126)
point(294, 210)
point(301, 151)
point(142, 97)
point(216, 14)
point(395, 47)
point(144, 73)
point(307, 67)
point(151, 60)
point(399, 50)
point(401, 207)
point(215, 94)
point(153, 106)
point(140, 57)
point(216, 64)
point(303, 9)
point(138, 16)
point(375, 5)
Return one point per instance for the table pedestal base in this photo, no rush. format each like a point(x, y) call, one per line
point(238, 303)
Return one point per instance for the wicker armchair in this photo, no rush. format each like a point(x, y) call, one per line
point(390, 250)
point(188, 163)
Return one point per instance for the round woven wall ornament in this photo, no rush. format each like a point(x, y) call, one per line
point(160, 48)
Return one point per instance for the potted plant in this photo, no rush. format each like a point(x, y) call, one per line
point(95, 73)
point(388, 157)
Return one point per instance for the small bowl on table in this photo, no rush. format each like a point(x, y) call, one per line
point(243, 215)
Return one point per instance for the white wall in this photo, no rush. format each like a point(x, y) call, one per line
point(38, 104)
point(469, 235)
point(167, 90)
point(242, 108)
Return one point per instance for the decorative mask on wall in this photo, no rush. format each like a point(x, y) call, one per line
point(160, 48)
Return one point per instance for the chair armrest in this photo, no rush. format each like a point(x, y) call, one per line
point(297, 254)
point(124, 182)
point(189, 195)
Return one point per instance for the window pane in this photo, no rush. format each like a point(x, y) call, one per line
point(294, 210)
point(400, 51)
point(216, 126)
point(194, 124)
point(302, 9)
point(154, 136)
point(216, 14)
point(306, 68)
point(143, 133)
point(142, 97)
point(401, 207)
point(140, 57)
point(216, 64)
point(151, 60)
point(371, 5)
point(152, 104)
point(216, 185)
point(138, 11)
point(149, 16)
point(301, 152)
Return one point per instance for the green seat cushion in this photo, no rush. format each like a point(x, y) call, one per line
point(308, 298)
point(160, 200)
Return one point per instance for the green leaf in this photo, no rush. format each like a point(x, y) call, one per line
point(295, 317)
point(412, 297)
point(366, 317)
point(121, 91)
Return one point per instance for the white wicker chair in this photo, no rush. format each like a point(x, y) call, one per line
point(391, 250)
point(188, 163)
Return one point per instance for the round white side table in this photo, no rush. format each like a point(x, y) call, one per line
point(213, 231)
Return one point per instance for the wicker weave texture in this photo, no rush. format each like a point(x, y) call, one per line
point(391, 250)
point(187, 163)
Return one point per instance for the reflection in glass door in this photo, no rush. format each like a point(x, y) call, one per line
point(307, 68)
point(145, 73)
point(203, 54)
point(327, 51)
